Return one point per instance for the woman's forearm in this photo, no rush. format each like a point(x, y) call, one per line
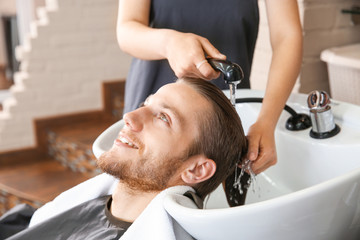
point(134, 35)
point(141, 41)
point(286, 60)
point(283, 73)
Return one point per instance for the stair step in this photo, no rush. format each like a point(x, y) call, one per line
point(34, 182)
point(72, 145)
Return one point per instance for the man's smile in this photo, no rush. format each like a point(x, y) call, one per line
point(122, 138)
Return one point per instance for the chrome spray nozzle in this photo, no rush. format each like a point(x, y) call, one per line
point(233, 74)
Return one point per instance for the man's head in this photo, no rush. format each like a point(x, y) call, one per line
point(187, 133)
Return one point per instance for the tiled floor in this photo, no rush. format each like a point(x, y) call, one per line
point(72, 145)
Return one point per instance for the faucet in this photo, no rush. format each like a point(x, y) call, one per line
point(323, 125)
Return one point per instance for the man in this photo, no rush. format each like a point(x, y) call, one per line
point(187, 134)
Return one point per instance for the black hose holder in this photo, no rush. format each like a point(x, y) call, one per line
point(296, 122)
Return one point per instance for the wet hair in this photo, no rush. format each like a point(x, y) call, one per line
point(221, 136)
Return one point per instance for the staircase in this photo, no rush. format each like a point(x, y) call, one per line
point(63, 157)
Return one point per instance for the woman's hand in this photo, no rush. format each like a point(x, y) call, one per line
point(186, 53)
point(261, 150)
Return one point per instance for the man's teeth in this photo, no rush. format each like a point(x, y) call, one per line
point(124, 140)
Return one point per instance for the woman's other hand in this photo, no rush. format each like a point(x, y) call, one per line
point(261, 150)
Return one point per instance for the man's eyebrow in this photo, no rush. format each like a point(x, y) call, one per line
point(164, 105)
point(177, 115)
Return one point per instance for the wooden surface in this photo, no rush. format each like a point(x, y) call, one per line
point(34, 182)
point(40, 181)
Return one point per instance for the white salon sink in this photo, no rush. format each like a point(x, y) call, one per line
point(303, 161)
point(313, 192)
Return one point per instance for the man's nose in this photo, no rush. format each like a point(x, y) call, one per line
point(135, 119)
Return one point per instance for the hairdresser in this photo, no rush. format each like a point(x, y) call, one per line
point(170, 39)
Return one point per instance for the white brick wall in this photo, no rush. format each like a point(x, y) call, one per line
point(324, 26)
point(71, 51)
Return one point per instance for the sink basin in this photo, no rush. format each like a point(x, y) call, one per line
point(313, 192)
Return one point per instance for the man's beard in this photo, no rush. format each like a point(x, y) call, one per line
point(146, 175)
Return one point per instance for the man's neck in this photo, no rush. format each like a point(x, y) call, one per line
point(128, 204)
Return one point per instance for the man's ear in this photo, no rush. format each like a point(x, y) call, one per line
point(199, 170)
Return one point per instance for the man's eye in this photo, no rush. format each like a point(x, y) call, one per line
point(163, 117)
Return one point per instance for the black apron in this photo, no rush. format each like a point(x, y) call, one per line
point(230, 25)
